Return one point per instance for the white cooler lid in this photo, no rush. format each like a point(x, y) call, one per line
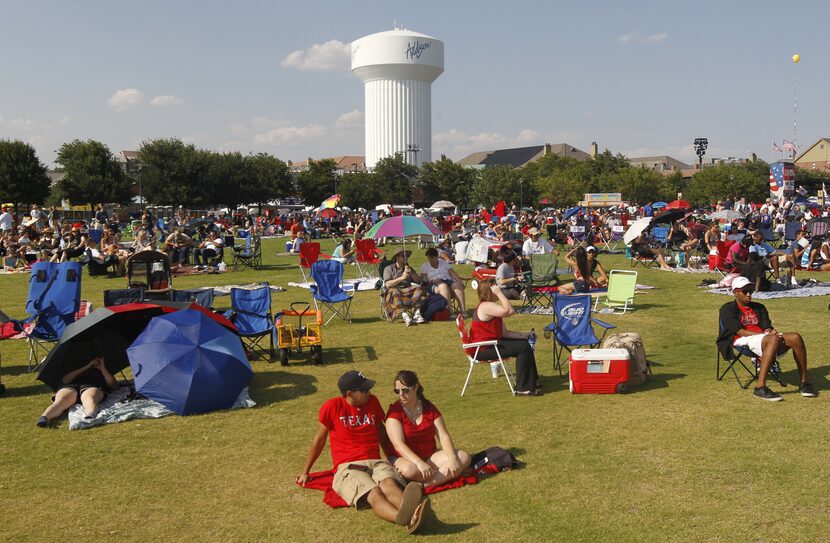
point(599, 354)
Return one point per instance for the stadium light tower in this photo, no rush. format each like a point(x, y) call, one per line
point(700, 149)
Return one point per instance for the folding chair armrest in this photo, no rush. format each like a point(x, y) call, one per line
point(480, 344)
point(313, 288)
point(605, 325)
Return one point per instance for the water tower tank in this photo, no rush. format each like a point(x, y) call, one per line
point(397, 68)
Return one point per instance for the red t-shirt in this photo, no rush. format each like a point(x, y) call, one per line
point(484, 330)
point(353, 430)
point(419, 437)
point(296, 228)
point(749, 321)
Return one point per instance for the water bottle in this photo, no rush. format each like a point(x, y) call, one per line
point(222, 267)
point(532, 339)
point(494, 369)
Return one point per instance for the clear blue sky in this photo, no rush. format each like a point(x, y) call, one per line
point(640, 78)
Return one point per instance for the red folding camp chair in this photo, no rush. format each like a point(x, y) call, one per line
point(309, 254)
point(367, 256)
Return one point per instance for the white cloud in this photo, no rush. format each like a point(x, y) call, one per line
point(527, 136)
point(288, 134)
point(166, 100)
point(638, 37)
point(66, 120)
point(332, 55)
point(353, 118)
point(125, 99)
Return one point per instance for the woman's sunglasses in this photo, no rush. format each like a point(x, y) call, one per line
point(405, 390)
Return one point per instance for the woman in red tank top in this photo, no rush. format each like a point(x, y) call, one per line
point(488, 324)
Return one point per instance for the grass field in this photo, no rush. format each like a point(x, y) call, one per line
point(682, 458)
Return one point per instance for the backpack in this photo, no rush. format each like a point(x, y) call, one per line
point(497, 457)
point(637, 362)
point(432, 305)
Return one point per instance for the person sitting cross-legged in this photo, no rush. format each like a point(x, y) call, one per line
point(354, 420)
point(745, 323)
point(413, 422)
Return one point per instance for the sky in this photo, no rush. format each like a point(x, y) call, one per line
point(638, 78)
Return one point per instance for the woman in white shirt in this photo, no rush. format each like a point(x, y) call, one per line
point(442, 279)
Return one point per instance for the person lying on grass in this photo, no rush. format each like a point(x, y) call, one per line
point(86, 385)
point(412, 423)
point(362, 479)
point(745, 323)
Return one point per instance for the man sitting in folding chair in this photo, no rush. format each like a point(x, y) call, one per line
point(645, 253)
point(746, 324)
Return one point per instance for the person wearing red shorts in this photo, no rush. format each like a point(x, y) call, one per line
point(362, 479)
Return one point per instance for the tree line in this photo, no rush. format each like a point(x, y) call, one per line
point(174, 172)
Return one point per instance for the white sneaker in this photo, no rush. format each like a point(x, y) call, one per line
point(418, 317)
point(794, 281)
point(407, 319)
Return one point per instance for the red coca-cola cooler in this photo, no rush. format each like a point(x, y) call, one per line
point(598, 371)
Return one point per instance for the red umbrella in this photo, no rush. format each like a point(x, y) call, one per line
point(546, 201)
point(328, 213)
point(679, 204)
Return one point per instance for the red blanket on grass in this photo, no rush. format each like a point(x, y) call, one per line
point(322, 480)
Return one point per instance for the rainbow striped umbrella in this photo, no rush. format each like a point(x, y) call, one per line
point(330, 202)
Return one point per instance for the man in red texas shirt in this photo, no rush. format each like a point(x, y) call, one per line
point(361, 478)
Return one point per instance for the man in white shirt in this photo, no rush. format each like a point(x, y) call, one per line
point(5, 221)
point(535, 245)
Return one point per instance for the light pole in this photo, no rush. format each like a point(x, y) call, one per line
point(521, 193)
point(700, 150)
point(414, 149)
point(138, 168)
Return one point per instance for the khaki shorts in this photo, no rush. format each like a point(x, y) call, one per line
point(352, 484)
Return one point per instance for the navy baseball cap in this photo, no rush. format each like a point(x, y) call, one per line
point(354, 380)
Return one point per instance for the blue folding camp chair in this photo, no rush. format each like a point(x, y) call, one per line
point(251, 313)
point(122, 296)
point(327, 275)
point(202, 296)
point(54, 298)
point(572, 326)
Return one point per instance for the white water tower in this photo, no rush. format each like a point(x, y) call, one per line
point(397, 68)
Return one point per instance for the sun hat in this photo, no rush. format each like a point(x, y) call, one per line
point(533, 232)
point(399, 251)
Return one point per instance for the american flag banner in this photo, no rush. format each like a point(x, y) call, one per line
point(791, 147)
point(781, 178)
point(777, 148)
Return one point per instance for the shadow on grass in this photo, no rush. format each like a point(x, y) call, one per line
point(279, 386)
point(431, 525)
point(31, 390)
point(655, 381)
point(335, 355)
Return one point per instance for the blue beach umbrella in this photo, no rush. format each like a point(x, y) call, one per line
point(659, 205)
point(189, 363)
point(571, 212)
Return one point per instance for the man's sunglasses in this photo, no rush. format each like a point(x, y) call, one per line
point(748, 289)
point(405, 390)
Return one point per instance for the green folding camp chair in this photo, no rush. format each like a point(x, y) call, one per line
point(620, 295)
point(543, 280)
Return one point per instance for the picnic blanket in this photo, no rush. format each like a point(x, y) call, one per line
point(686, 270)
point(117, 407)
point(362, 283)
point(225, 290)
point(813, 288)
point(322, 480)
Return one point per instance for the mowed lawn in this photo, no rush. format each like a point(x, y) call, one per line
point(682, 458)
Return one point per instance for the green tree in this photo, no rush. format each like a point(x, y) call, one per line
point(23, 178)
point(268, 178)
point(498, 183)
point(395, 179)
point(359, 189)
point(318, 181)
point(561, 187)
point(446, 180)
point(641, 185)
point(226, 180)
point(173, 172)
point(91, 174)
point(718, 182)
